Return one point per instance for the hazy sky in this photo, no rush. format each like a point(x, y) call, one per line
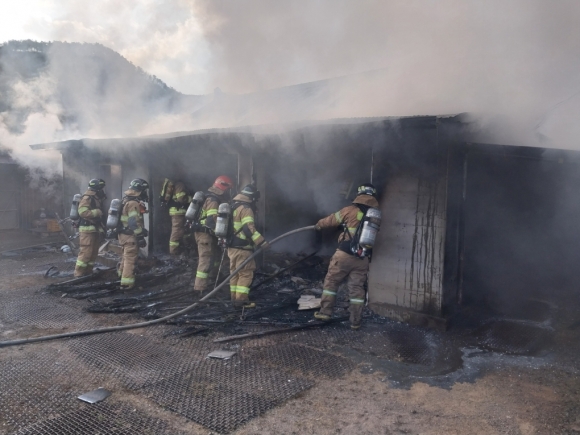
point(161, 36)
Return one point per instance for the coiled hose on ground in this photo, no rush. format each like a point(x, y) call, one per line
point(150, 322)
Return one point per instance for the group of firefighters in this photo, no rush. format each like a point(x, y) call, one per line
point(243, 240)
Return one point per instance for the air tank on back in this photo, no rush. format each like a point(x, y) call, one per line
point(74, 209)
point(370, 228)
point(197, 201)
point(114, 213)
point(223, 220)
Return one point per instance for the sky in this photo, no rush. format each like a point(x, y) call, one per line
point(162, 37)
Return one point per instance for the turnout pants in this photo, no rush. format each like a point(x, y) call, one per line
point(207, 251)
point(89, 249)
point(130, 253)
point(240, 283)
point(177, 232)
point(343, 266)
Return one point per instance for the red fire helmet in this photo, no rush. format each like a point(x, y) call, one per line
point(223, 182)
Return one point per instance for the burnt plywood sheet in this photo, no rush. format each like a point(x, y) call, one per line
point(407, 266)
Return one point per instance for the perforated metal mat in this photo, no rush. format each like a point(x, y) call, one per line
point(39, 382)
point(223, 395)
point(133, 359)
point(42, 311)
point(101, 419)
point(304, 359)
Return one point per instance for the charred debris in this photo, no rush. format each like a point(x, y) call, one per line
point(165, 286)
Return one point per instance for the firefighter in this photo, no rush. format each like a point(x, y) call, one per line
point(207, 247)
point(344, 263)
point(132, 234)
point(245, 239)
point(91, 231)
point(177, 207)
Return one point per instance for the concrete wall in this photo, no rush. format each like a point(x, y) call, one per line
point(407, 267)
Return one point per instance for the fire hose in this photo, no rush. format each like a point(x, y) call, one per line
point(150, 322)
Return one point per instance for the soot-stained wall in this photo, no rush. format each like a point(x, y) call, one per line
point(521, 233)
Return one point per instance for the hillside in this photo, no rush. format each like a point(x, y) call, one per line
point(89, 87)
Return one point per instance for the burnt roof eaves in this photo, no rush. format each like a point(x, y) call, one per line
point(75, 143)
point(261, 129)
point(523, 151)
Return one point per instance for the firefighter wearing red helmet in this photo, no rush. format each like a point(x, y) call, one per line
point(207, 247)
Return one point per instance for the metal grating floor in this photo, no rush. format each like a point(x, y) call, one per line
point(306, 360)
point(222, 395)
point(132, 358)
point(101, 419)
point(43, 311)
point(39, 382)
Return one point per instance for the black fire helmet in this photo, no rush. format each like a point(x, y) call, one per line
point(97, 184)
point(367, 189)
point(251, 192)
point(139, 184)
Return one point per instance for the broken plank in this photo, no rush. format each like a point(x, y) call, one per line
point(280, 330)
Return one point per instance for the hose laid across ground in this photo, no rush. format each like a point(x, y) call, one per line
point(150, 322)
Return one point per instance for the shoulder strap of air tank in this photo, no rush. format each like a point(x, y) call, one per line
point(239, 204)
point(92, 197)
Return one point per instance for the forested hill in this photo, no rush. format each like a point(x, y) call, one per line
point(88, 86)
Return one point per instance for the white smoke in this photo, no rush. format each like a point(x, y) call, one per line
point(514, 61)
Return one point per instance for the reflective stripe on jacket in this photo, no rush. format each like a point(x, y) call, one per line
point(180, 198)
point(244, 225)
point(90, 212)
point(209, 210)
point(131, 216)
point(349, 216)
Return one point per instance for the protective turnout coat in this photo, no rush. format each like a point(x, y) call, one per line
point(133, 228)
point(90, 232)
point(246, 238)
point(343, 264)
point(207, 248)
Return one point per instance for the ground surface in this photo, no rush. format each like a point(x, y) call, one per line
point(387, 378)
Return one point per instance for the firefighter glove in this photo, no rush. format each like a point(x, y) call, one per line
point(141, 242)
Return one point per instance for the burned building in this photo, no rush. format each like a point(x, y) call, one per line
point(464, 222)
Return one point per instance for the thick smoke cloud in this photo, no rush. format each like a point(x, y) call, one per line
point(515, 59)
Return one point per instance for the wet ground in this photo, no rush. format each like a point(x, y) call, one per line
point(512, 372)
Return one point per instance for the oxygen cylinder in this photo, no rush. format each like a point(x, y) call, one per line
point(371, 225)
point(223, 220)
point(114, 213)
point(194, 207)
point(74, 209)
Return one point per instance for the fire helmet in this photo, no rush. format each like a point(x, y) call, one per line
point(367, 189)
point(251, 192)
point(139, 184)
point(96, 184)
point(223, 183)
